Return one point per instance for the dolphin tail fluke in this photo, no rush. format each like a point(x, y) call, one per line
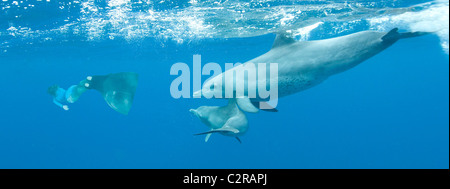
point(394, 35)
point(207, 132)
point(413, 34)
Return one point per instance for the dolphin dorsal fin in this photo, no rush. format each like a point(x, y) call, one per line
point(282, 39)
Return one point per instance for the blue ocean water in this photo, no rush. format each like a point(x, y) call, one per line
point(389, 112)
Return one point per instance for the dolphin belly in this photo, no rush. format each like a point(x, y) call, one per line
point(288, 85)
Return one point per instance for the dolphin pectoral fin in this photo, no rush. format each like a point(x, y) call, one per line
point(245, 104)
point(222, 130)
point(208, 133)
point(257, 104)
point(219, 131)
point(204, 133)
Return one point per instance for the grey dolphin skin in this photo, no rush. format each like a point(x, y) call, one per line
point(226, 120)
point(304, 64)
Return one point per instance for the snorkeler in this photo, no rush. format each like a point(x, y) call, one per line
point(117, 89)
point(62, 97)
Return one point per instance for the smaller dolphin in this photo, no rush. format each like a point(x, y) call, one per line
point(227, 120)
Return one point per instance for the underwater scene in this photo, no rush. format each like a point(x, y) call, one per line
point(323, 84)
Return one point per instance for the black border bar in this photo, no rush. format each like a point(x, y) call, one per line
point(259, 178)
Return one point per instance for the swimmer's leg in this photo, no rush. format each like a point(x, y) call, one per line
point(74, 92)
point(89, 84)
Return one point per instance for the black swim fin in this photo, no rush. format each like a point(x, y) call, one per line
point(117, 89)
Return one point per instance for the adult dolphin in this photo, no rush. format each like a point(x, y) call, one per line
point(304, 64)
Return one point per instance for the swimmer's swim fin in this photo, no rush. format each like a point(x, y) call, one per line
point(117, 89)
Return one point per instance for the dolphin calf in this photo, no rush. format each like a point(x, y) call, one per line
point(227, 120)
point(304, 64)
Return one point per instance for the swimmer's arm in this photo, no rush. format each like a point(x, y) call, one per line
point(65, 107)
